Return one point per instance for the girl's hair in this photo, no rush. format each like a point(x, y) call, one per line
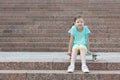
point(78, 17)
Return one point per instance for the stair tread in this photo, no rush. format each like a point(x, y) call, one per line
point(59, 71)
point(55, 57)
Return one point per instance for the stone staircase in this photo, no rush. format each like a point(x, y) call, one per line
point(53, 66)
point(42, 25)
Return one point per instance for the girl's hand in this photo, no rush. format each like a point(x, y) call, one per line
point(69, 53)
point(89, 52)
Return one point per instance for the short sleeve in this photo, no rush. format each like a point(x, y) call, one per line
point(72, 30)
point(87, 31)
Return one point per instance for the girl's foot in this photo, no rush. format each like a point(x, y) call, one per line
point(71, 69)
point(85, 69)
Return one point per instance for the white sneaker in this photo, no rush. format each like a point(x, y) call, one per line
point(85, 69)
point(71, 69)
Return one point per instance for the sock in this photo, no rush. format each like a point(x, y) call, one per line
point(83, 63)
point(72, 63)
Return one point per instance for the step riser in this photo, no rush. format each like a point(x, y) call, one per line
point(60, 27)
point(54, 44)
point(52, 49)
point(47, 31)
point(40, 76)
point(13, 76)
point(55, 66)
point(46, 39)
point(74, 76)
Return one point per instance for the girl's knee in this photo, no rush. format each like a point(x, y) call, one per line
point(83, 48)
point(83, 51)
point(75, 48)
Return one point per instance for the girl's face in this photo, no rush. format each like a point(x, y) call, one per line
point(79, 22)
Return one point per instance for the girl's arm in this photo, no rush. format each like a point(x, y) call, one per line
point(70, 44)
point(88, 45)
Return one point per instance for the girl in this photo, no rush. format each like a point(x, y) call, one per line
point(79, 43)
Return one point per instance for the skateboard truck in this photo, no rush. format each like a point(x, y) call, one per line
point(94, 57)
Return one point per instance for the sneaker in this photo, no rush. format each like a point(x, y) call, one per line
point(85, 69)
point(71, 69)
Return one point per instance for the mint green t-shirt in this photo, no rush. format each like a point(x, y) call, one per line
point(80, 38)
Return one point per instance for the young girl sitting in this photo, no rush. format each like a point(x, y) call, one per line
point(79, 43)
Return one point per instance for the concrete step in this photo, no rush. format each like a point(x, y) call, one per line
point(55, 61)
point(29, 31)
point(8, 33)
point(56, 44)
point(57, 65)
point(53, 49)
point(61, 7)
point(106, 49)
point(35, 49)
point(56, 39)
point(60, 1)
point(56, 16)
point(56, 21)
point(58, 75)
point(60, 27)
point(37, 39)
point(33, 44)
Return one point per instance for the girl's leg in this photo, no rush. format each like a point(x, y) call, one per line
point(73, 58)
point(83, 59)
point(83, 56)
point(74, 53)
